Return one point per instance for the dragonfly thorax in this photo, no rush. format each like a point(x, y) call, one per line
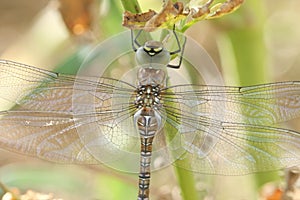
point(148, 96)
point(152, 52)
point(150, 76)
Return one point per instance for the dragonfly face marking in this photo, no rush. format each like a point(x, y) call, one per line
point(153, 47)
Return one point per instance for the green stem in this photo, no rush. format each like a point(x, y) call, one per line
point(131, 5)
point(185, 178)
point(248, 63)
point(186, 183)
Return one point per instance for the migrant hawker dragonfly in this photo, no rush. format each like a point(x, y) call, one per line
point(91, 120)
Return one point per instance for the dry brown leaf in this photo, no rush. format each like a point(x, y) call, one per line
point(172, 13)
point(225, 8)
point(151, 20)
point(137, 21)
point(276, 195)
point(30, 195)
point(77, 15)
point(202, 11)
point(14, 194)
point(291, 190)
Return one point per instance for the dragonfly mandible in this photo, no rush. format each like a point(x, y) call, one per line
point(216, 129)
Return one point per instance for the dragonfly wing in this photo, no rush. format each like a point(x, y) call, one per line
point(51, 136)
point(265, 104)
point(221, 130)
point(236, 149)
point(64, 118)
point(32, 88)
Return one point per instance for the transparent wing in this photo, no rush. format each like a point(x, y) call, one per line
point(261, 104)
point(223, 130)
point(51, 136)
point(63, 118)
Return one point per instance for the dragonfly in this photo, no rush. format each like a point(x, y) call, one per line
point(211, 129)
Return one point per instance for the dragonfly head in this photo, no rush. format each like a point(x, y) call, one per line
point(153, 52)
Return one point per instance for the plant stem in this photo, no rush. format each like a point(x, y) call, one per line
point(185, 178)
point(186, 183)
point(249, 52)
point(131, 5)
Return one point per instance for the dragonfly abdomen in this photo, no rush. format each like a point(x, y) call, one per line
point(148, 122)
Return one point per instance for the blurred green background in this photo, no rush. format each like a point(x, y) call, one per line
point(258, 43)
